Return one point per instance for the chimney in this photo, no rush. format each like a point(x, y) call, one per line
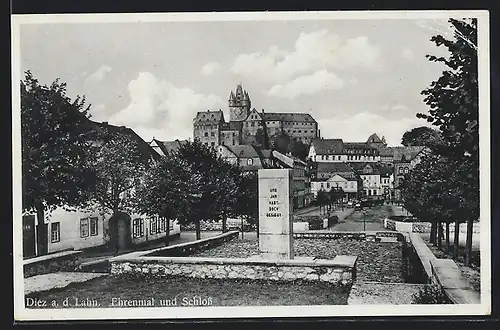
point(262, 110)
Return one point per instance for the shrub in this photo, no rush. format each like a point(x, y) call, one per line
point(430, 294)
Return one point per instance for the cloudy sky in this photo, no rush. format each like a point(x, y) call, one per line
point(356, 77)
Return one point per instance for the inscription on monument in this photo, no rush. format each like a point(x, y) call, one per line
point(274, 209)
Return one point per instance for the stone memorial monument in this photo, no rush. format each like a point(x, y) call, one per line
point(275, 214)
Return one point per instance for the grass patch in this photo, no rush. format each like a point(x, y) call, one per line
point(182, 290)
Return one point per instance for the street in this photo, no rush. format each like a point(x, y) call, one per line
point(367, 219)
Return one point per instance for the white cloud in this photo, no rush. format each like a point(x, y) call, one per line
point(359, 127)
point(159, 108)
point(98, 112)
point(354, 81)
point(311, 84)
point(408, 54)
point(313, 51)
point(99, 74)
point(210, 68)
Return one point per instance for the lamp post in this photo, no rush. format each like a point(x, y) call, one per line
point(364, 221)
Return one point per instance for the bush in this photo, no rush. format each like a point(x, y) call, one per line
point(430, 294)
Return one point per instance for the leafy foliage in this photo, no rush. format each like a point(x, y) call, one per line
point(55, 141)
point(430, 294)
point(119, 166)
point(420, 136)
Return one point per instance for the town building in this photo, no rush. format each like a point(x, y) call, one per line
point(92, 227)
point(246, 123)
point(244, 156)
point(405, 159)
point(331, 175)
point(370, 175)
point(336, 150)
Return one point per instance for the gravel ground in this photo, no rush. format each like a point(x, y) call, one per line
point(109, 291)
point(369, 293)
point(58, 280)
point(381, 262)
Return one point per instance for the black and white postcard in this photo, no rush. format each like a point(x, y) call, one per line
point(251, 164)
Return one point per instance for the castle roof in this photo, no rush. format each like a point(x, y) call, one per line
point(288, 116)
point(358, 145)
point(243, 151)
point(328, 146)
point(231, 96)
point(209, 117)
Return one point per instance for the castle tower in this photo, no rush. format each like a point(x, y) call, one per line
point(239, 104)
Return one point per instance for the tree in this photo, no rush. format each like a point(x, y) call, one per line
point(453, 102)
point(212, 186)
point(420, 136)
point(119, 166)
point(298, 149)
point(163, 190)
point(261, 138)
point(247, 204)
point(281, 142)
point(54, 137)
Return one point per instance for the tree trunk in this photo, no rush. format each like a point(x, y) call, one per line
point(468, 242)
point(439, 234)
point(42, 232)
point(447, 237)
point(167, 235)
point(432, 238)
point(257, 227)
point(456, 239)
point(224, 223)
point(198, 229)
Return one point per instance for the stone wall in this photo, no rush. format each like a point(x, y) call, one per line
point(57, 262)
point(376, 236)
point(340, 271)
point(188, 248)
point(407, 227)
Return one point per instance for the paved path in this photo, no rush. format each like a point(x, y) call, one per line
point(370, 219)
point(51, 281)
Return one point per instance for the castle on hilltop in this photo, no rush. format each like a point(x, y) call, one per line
point(244, 123)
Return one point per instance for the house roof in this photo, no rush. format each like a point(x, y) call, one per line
point(328, 146)
point(358, 145)
point(374, 139)
point(167, 147)
point(359, 167)
point(243, 151)
point(334, 167)
point(107, 129)
point(385, 171)
point(209, 117)
point(406, 153)
point(287, 116)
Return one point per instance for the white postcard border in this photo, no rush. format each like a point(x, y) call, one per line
point(25, 314)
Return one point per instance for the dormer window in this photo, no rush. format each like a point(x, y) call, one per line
point(250, 162)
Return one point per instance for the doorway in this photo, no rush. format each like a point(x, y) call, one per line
point(29, 236)
point(120, 234)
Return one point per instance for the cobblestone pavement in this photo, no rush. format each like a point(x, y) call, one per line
point(359, 221)
point(374, 293)
point(50, 281)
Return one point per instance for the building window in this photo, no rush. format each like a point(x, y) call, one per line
point(406, 170)
point(212, 144)
point(153, 229)
point(322, 185)
point(94, 231)
point(163, 225)
point(55, 232)
point(138, 227)
point(400, 171)
point(252, 124)
point(212, 134)
point(84, 227)
point(250, 161)
point(327, 185)
point(206, 134)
